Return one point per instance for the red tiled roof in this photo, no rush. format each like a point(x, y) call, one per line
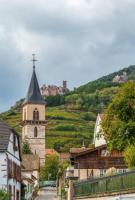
point(50, 151)
point(64, 156)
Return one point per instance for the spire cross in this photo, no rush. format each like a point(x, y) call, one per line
point(33, 60)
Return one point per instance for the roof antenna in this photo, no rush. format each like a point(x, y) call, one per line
point(33, 60)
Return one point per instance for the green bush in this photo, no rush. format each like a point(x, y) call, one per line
point(68, 128)
point(55, 100)
point(129, 155)
point(4, 195)
point(89, 116)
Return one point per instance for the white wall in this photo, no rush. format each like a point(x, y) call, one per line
point(3, 171)
point(98, 134)
point(14, 156)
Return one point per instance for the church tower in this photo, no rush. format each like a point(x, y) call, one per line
point(33, 119)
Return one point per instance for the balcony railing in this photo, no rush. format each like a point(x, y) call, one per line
point(115, 183)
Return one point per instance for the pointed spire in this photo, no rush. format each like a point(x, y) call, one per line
point(33, 94)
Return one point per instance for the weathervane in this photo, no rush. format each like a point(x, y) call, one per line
point(33, 60)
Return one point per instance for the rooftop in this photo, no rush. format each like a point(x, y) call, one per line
point(33, 94)
point(30, 162)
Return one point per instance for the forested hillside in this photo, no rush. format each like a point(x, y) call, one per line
point(71, 118)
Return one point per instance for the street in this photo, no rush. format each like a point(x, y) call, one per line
point(48, 193)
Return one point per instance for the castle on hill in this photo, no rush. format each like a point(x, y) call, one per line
point(121, 78)
point(53, 90)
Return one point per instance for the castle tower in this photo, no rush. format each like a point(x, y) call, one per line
point(33, 118)
point(65, 86)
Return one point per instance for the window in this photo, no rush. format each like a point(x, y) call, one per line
point(121, 171)
point(17, 195)
point(102, 172)
point(35, 132)
point(14, 193)
point(105, 152)
point(10, 191)
point(35, 114)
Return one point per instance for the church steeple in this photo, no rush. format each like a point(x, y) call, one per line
point(33, 94)
point(33, 118)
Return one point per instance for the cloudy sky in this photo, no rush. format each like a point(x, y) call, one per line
point(75, 40)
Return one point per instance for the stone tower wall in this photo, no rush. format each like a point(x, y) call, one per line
point(37, 144)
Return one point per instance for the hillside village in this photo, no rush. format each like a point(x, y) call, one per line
point(23, 156)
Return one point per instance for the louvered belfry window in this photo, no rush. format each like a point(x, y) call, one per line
point(35, 115)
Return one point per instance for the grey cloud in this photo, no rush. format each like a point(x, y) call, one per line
point(77, 40)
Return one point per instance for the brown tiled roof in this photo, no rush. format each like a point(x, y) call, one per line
point(91, 150)
point(30, 162)
point(78, 150)
point(64, 156)
point(50, 152)
point(4, 135)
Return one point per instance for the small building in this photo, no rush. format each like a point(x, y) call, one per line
point(31, 167)
point(10, 161)
point(96, 161)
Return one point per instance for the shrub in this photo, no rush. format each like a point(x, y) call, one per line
point(129, 155)
point(4, 195)
point(89, 116)
point(68, 128)
point(26, 148)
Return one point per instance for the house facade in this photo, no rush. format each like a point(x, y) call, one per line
point(97, 161)
point(10, 161)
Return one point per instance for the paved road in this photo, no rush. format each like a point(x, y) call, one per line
point(48, 194)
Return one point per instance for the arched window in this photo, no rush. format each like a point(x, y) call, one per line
point(35, 132)
point(35, 114)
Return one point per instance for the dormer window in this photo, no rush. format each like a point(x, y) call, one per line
point(35, 115)
point(35, 132)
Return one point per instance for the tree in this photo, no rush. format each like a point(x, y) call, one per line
point(129, 155)
point(119, 119)
point(50, 169)
point(55, 100)
point(26, 148)
point(3, 195)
